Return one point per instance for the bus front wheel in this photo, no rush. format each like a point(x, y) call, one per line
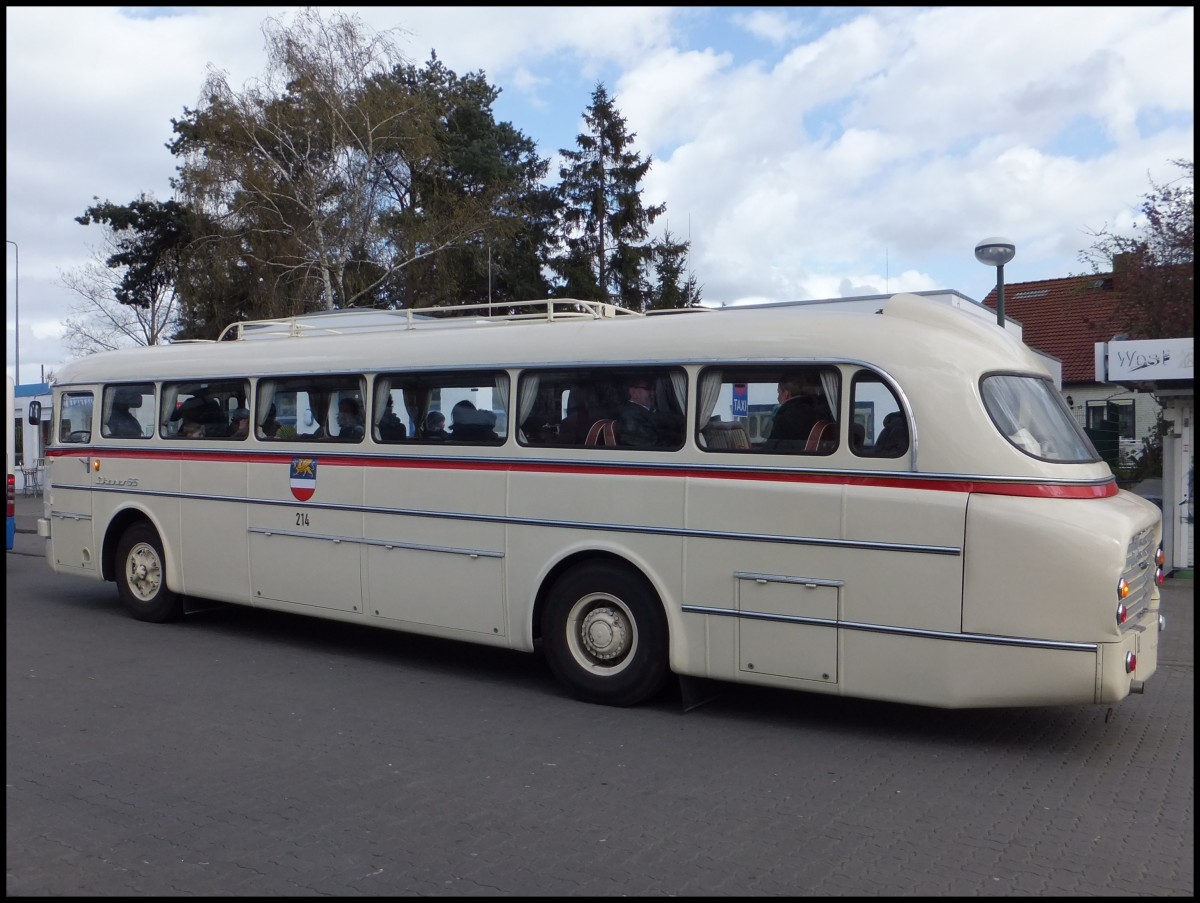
point(141, 576)
point(605, 635)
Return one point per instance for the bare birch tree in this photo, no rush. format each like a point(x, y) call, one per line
point(99, 322)
point(310, 170)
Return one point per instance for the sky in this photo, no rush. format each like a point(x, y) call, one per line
point(805, 152)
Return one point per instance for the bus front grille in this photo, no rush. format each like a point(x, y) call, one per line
point(1139, 573)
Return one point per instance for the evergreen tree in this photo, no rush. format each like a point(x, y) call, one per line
point(146, 239)
point(605, 230)
point(674, 286)
point(488, 168)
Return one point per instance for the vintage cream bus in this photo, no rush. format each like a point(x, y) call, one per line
point(925, 523)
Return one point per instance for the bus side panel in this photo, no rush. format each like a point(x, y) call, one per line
point(72, 548)
point(918, 586)
point(589, 500)
point(113, 470)
point(955, 674)
point(213, 552)
point(761, 574)
point(444, 570)
point(301, 552)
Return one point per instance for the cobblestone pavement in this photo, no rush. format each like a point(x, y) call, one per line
point(253, 753)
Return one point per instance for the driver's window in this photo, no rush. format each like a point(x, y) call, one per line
point(75, 417)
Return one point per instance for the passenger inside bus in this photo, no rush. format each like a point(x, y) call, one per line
point(640, 422)
point(800, 409)
point(390, 425)
point(349, 420)
point(470, 424)
point(271, 425)
point(893, 438)
point(199, 417)
point(435, 426)
point(239, 424)
point(121, 423)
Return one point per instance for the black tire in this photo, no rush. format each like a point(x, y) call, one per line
point(604, 635)
point(142, 576)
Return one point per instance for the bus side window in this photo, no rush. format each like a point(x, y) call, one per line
point(777, 409)
point(75, 417)
point(120, 403)
point(468, 407)
point(602, 406)
point(880, 429)
point(306, 408)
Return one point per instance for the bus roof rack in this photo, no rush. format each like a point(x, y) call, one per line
point(356, 319)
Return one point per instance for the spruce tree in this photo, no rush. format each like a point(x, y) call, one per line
point(605, 229)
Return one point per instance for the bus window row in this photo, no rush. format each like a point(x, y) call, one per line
point(742, 408)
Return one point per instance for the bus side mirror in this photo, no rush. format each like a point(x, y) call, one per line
point(35, 413)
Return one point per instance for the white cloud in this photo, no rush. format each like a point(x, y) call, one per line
point(807, 152)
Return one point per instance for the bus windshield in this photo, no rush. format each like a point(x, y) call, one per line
point(1033, 417)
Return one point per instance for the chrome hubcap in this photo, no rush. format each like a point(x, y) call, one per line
point(605, 634)
point(145, 571)
point(601, 634)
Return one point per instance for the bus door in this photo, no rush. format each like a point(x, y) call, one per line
point(69, 483)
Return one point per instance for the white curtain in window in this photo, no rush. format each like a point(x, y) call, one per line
point(500, 391)
point(679, 387)
point(710, 391)
point(829, 385)
point(379, 399)
point(529, 385)
point(266, 400)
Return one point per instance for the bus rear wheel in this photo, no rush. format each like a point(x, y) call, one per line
point(142, 576)
point(604, 634)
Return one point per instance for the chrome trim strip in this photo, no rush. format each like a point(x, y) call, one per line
point(985, 638)
point(507, 520)
point(779, 578)
point(420, 547)
point(383, 543)
point(70, 515)
point(327, 537)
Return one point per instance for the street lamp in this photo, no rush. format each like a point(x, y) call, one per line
point(17, 306)
point(996, 252)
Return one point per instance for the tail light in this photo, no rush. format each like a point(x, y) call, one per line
point(12, 494)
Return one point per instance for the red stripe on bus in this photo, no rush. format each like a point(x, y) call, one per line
point(899, 481)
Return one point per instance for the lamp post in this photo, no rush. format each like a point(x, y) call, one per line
point(17, 307)
point(996, 252)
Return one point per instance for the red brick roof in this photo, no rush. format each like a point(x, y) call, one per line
point(1065, 318)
